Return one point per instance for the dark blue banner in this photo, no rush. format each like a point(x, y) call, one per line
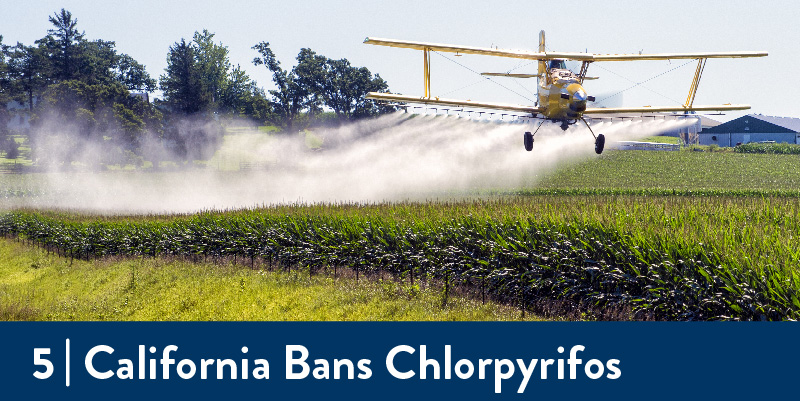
point(398, 361)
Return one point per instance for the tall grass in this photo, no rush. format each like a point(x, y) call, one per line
point(37, 286)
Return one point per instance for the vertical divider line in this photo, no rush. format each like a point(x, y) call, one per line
point(67, 370)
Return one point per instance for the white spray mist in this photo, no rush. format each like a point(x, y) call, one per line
point(393, 157)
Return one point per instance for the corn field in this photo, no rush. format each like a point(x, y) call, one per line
point(665, 258)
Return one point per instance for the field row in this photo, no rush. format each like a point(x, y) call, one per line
point(670, 258)
point(681, 171)
point(37, 286)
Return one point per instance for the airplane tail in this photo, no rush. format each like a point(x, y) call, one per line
point(542, 65)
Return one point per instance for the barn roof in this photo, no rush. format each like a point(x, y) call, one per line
point(758, 123)
point(789, 123)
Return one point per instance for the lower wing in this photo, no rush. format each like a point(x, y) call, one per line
point(390, 97)
point(674, 109)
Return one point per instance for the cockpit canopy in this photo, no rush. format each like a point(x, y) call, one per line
point(560, 64)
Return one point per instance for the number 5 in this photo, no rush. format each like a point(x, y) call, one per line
point(38, 360)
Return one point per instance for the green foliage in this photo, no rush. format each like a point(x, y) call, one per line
point(199, 78)
point(662, 139)
point(292, 96)
point(662, 172)
point(668, 258)
point(768, 148)
point(76, 91)
point(63, 43)
point(182, 84)
point(133, 75)
point(68, 56)
point(96, 112)
point(340, 86)
point(67, 81)
point(27, 73)
point(316, 81)
point(35, 285)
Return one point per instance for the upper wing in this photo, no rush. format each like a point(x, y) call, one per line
point(523, 54)
point(675, 56)
point(452, 102)
point(485, 51)
point(674, 109)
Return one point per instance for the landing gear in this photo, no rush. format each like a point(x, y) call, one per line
point(599, 144)
point(599, 140)
point(529, 138)
point(528, 141)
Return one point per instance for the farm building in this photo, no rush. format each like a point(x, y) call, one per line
point(752, 128)
point(698, 122)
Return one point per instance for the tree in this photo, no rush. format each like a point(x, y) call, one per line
point(28, 70)
point(340, 86)
point(182, 83)
point(316, 81)
point(72, 57)
point(77, 93)
point(64, 41)
point(5, 89)
point(212, 63)
point(97, 111)
point(199, 81)
point(292, 95)
point(199, 78)
point(97, 61)
point(237, 93)
point(133, 75)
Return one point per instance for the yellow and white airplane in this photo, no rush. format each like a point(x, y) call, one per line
point(561, 96)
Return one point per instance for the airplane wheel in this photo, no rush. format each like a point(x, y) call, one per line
point(528, 141)
point(599, 144)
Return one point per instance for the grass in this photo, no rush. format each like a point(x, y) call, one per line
point(638, 169)
point(661, 257)
point(38, 286)
point(662, 139)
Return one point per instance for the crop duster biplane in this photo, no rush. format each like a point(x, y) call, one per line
point(561, 96)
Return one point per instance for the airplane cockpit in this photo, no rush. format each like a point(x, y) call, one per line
point(558, 73)
point(560, 64)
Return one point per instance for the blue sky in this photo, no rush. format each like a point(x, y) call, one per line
point(145, 29)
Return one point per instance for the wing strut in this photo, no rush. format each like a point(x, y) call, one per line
point(701, 65)
point(426, 71)
point(584, 70)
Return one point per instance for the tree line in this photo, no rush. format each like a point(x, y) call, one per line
point(76, 94)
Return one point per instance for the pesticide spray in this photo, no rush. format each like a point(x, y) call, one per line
point(394, 157)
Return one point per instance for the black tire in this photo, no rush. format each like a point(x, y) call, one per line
point(599, 144)
point(528, 141)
